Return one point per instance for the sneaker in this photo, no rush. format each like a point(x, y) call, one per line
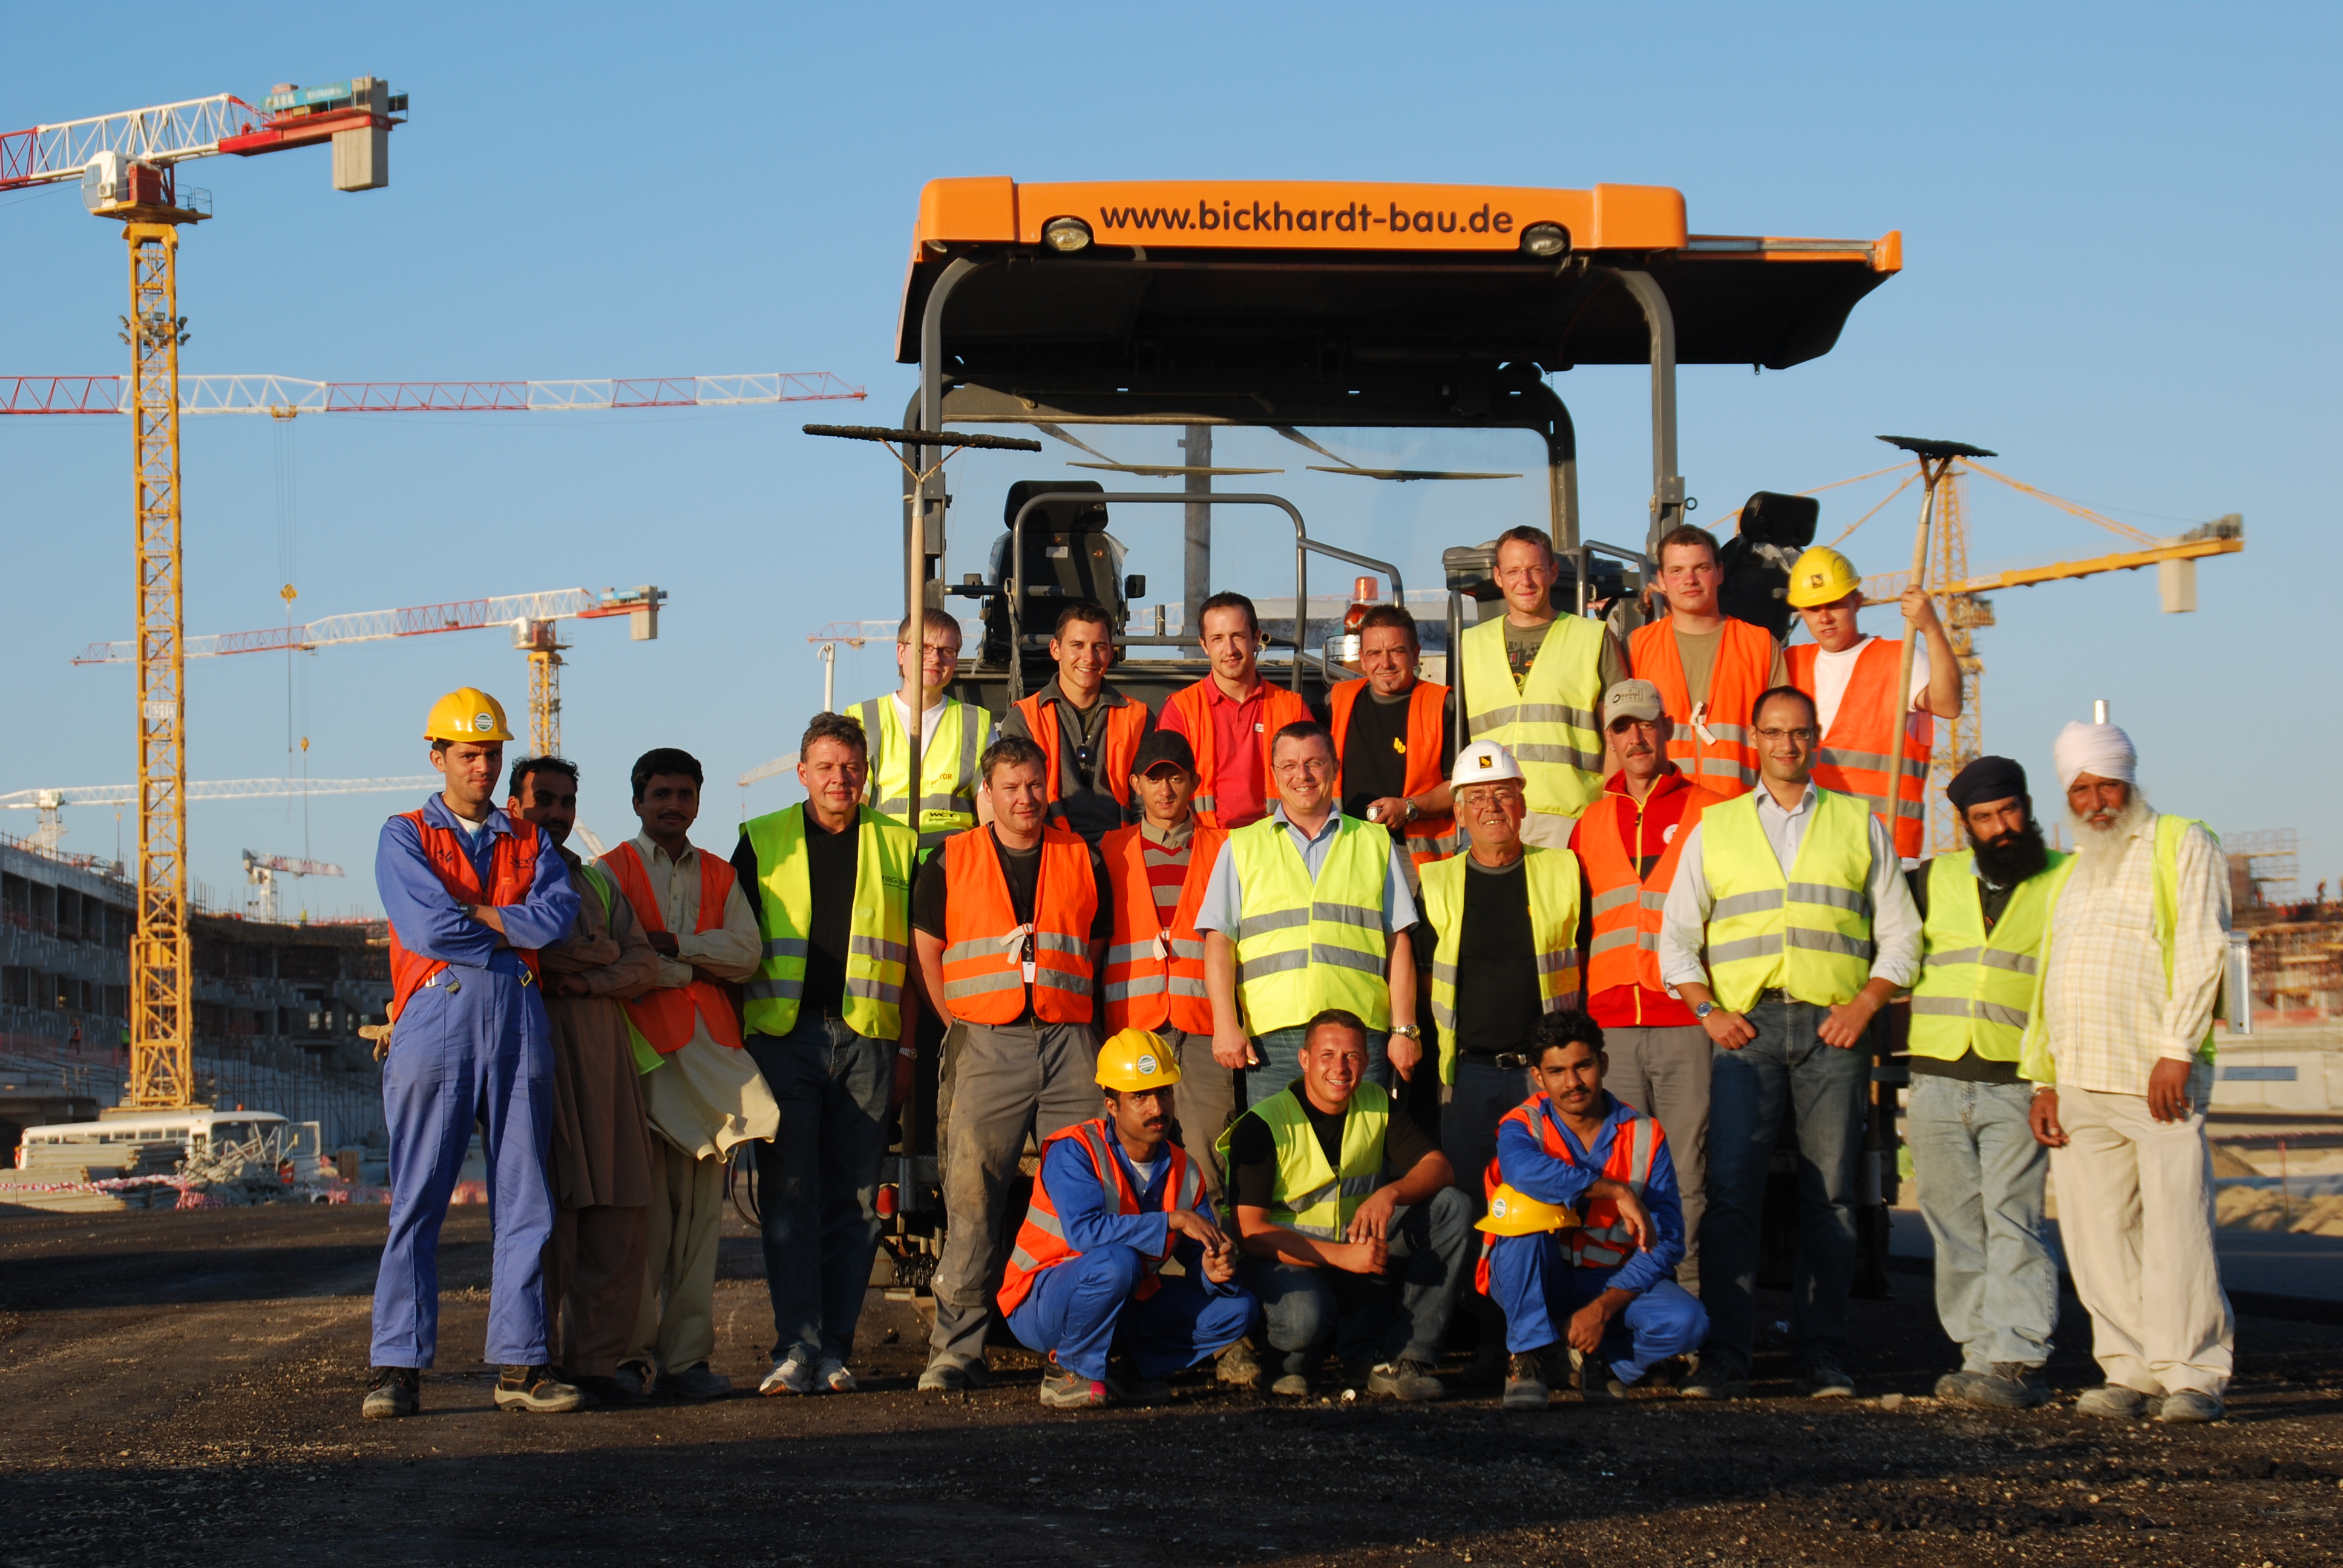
point(1405, 1380)
point(1064, 1389)
point(832, 1375)
point(393, 1391)
point(1526, 1381)
point(2189, 1406)
point(1293, 1385)
point(793, 1373)
point(1236, 1366)
point(1124, 1381)
point(697, 1383)
point(1716, 1376)
point(1592, 1378)
point(2010, 1385)
point(1823, 1378)
point(945, 1375)
point(612, 1392)
point(535, 1389)
point(2112, 1401)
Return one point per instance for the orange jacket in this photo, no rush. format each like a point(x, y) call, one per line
point(984, 970)
point(1126, 726)
point(1624, 949)
point(1042, 1241)
point(665, 1015)
point(1857, 757)
point(1155, 976)
point(1279, 707)
point(1745, 661)
point(1429, 837)
point(512, 869)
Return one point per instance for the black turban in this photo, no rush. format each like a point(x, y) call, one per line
point(1987, 779)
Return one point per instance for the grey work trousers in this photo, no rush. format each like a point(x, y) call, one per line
point(1207, 1100)
point(1665, 1075)
point(1008, 1080)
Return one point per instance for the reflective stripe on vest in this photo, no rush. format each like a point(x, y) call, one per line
point(1303, 947)
point(664, 1014)
point(1041, 1239)
point(1809, 933)
point(1976, 991)
point(1126, 725)
point(879, 941)
point(1854, 757)
point(512, 871)
point(1624, 949)
point(1432, 836)
point(1744, 667)
point(948, 779)
point(1147, 987)
point(1308, 1195)
point(1548, 722)
point(1603, 1242)
point(1279, 707)
point(984, 975)
point(1551, 876)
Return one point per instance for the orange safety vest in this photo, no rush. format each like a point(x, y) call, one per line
point(984, 968)
point(1042, 1241)
point(1602, 1242)
point(1857, 756)
point(1126, 726)
point(1624, 949)
point(512, 870)
point(1744, 660)
point(1431, 836)
point(1279, 707)
point(1155, 976)
point(664, 1015)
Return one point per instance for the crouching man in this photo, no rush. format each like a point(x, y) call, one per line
point(1355, 1240)
point(1116, 1197)
point(1604, 1285)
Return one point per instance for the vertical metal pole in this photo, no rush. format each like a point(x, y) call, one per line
point(1902, 697)
point(162, 1053)
point(1196, 569)
point(1667, 485)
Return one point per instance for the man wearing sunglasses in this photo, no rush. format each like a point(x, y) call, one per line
point(1787, 929)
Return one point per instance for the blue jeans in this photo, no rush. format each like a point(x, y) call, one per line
point(1280, 1061)
point(1981, 1176)
point(1786, 1068)
point(818, 1179)
point(1533, 1280)
point(1083, 1307)
point(1310, 1311)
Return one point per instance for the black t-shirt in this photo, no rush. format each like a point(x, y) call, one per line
point(1253, 1148)
point(1021, 869)
point(830, 861)
point(1497, 1001)
point(1374, 751)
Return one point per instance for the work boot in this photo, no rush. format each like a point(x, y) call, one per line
point(633, 1381)
point(945, 1375)
point(1526, 1381)
point(535, 1389)
point(1823, 1378)
point(2009, 1386)
point(613, 1392)
point(1293, 1385)
point(1719, 1376)
point(2189, 1406)
point(697, 1383)
point(1236, 1366)
point(1124, 1381)
point(1592, 1378)
point(393, 1391)
point(1064, 1389)
point(1405, 1380)
point(2113, 1401)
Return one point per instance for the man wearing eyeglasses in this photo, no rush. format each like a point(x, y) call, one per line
point(1787, 929)
point(952, 736)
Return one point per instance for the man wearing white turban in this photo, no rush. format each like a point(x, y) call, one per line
point(2120, 1047)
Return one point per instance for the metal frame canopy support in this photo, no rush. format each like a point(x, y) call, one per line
point(1669, 503)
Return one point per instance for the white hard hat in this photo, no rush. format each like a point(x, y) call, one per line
point(1483, 762)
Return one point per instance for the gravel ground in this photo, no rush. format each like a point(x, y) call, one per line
point(185, 1386)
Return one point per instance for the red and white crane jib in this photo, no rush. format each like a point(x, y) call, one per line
point(641, 604)
point(283, 395)
point(355, 115)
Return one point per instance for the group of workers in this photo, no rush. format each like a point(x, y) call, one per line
point(1654, 913)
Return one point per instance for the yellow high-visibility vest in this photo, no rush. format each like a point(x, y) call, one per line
point(1976, 991)
point(1311, 1196)
point(1809, 933)
point(1548, 722)
point(1301, 946)
point(1551, 878)
point(948, 782)
point(879, 938)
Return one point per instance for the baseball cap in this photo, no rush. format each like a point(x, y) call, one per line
point(1163, 746)
point(1632, 699)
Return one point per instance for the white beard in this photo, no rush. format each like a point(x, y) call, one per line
point(2099, 851)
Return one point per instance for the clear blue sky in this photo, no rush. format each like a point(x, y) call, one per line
point(2116, 221)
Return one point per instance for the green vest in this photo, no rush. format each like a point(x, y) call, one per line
point(1309, 1196)
point(2035, 1064)
point(948, 781)
point(1303, 948)
point(878, 942)
point(1976, 991)
point(1809, 933)
point(606, 888)
point(1548, 722)
point(1553, 882)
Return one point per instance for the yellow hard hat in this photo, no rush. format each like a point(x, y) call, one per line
point(1137, 1058)
point(1516, 1213)
point(1822, 575)
point(467, 713)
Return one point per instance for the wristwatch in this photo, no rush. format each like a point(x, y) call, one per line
point(1701, 1010)
point(1410, 1030)
point(1407, 809)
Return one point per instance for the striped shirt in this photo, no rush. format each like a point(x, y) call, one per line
point(1164, 852)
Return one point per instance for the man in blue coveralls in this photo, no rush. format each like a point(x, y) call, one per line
point(472, 895)
point(1115, 1198)
point(1574, 1146)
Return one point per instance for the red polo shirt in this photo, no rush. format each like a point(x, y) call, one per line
point(1649, 831)
point(1239, 787)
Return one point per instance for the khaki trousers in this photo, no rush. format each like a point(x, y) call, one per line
point(2135, 1217)
point(675, 1328)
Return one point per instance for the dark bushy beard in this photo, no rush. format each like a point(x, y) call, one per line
point(2016, 858)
